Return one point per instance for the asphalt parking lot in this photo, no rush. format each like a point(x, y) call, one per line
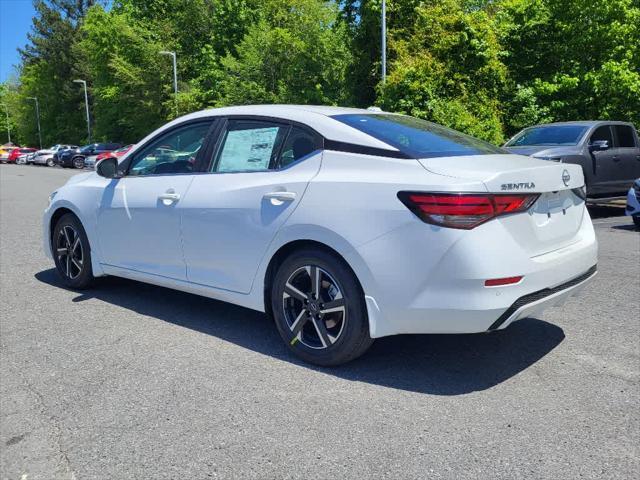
point(134, 381)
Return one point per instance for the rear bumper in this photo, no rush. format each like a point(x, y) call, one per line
point(536, 302)
point(429, 280)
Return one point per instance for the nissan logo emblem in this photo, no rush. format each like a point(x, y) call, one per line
point(565, 178)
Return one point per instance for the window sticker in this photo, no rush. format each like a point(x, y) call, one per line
point(246, 150)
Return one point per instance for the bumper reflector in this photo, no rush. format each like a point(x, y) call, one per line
point(497, 282)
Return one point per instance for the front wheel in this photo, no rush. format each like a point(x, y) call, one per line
point(50, 162)
point(78, 162)
point(319, 308)
point(636, 220)
point(72, 253)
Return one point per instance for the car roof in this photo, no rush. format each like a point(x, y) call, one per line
point(586, 123)
point(317, 117)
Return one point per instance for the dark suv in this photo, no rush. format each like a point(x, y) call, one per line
point(75, 157)
point(609, 152)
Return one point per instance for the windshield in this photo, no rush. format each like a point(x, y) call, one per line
point(417, 138)
point(548, 135)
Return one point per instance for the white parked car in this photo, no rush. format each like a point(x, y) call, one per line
point(344, 224)
point(633, 203)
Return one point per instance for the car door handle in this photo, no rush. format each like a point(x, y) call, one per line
point(169, 197)
point(615, 158)
point(280, 196)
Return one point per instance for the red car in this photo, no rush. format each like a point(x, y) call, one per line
point(16, 152)
point(116, 153)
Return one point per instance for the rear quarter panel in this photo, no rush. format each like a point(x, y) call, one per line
point(352, 201)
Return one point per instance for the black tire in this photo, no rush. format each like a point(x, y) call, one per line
point(50, 163)
point(636, 220)
point(78, 162)
point(345, 333)
point(65, 233)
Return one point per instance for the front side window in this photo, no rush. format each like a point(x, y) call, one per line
point(249, 146)
point(602, 133)
point(626, 139)
point(174, 152)
point(417, 138)
point(551, 135)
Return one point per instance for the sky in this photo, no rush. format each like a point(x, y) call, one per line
point(15, 23)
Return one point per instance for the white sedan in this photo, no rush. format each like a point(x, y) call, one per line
point(343, 224)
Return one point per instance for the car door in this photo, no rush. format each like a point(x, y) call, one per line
point(139, 213)
point(629, 153)
point(258, 173)
point(608, 172)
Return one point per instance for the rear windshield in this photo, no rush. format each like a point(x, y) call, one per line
point(417, 138)
point(548, 135)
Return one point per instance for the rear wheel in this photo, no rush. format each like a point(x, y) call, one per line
point(636, 220)
point(319, 308)
point(72, 253)
point(78, 162)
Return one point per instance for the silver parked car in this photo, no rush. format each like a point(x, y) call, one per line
point(45, 157)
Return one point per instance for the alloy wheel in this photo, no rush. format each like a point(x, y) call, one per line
point(314, 307)
point(69, 251)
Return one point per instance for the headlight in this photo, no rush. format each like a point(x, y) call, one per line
point(51, 197)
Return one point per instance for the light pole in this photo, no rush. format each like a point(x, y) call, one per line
point(175, 75)
point(86, 104)
point(384, 41)
point(6, 110)
point(35, 99)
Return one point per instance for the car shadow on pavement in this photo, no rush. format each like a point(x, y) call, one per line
point(606, 210)
point(432, 364)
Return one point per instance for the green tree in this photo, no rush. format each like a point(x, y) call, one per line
point(48, 69)
point(9, 99)
point(579, 59)
point(131, 82)
point(297, 52)
point(364, 20)
point(448, 69)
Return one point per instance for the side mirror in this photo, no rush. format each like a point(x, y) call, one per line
point(599, 145)
point(108, 168)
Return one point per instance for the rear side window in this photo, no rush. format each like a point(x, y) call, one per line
point(299, 144)
point(417, 138)
point(625, 136)
point(249, 146)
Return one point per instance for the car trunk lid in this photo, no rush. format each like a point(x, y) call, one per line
point(553, 221)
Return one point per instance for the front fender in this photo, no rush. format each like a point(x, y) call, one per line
point(88, 223)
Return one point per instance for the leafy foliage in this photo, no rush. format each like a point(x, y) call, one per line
point(295, 53)
point(448, 70)
point(486, 67)
point(579, 59)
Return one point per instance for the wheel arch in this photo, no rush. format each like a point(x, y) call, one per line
point(56, 216)
point(287, 249)
point(57, 213)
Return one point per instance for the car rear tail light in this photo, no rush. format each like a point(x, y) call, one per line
point(464, 210)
